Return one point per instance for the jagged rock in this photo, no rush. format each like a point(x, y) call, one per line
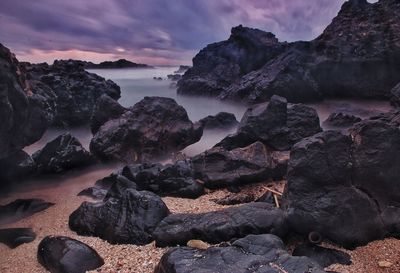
point(63, 153)
point(341, 120)
point(65, 255)
point(106, 109)
point(221, 120)
point(219, 64)
point(341, 62)
point(254, 253)
point(18, 165)
point(274, 124)
point(332, 183)
point(74, 90)
point(23, 119)
point(323, 256)
point(14, 237)
point(129, 218)
point(220, 226)
point(152, 128)
point(21, 208)
point(395, 96)
point(218, 167)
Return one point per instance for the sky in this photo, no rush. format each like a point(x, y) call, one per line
point(156, 32)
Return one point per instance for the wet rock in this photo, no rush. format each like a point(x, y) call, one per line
point(234, 199)
point(218, 167)
point(127, 219)
point(274, 124)
point(323, 256)
point(154, 127)
point(106, 109)
point(63, 153)
point(65, 255)
point(220, 226)
point(254, 253)
point(75, 90)
point(14, 237)
point(23, 119)
point(21, 208)
point(18, 165)
point(221, 120)
point(341, 120)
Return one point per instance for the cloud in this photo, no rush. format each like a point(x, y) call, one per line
point(157, 31)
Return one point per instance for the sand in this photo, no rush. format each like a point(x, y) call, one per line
point(142, 259)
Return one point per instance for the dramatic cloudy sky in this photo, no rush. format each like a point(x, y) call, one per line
point(150, 31)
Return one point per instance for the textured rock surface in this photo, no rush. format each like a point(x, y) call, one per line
point(395, 96)
point(220, 226)
point(21, 208)
point(254, 253)
point(63, 153)
point(154, 127)
point(70, 90)
point(126, 219)
point(218, 167)
point(332, 183)
point(65, 255)
point(106, 109)
point(274, 124)
point(14, 237)
point(342, 62)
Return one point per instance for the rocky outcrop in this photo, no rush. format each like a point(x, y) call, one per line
point(129, 218)
point(342, 120)
point(275, 124)
point(21, 208)
point(153, 128)
point(65, 255)
point(63, 153)
point(220, 226)
point(69, 90)
point(221, 120)
point(121, 63)
point(254, 253)
point(14, 237)
point(342, 62)
point(23, 120)
point(332, 183)
point(219, 167)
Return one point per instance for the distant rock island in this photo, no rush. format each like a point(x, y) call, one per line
point(121, 63)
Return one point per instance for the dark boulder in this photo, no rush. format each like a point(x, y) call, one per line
point(16, 166)
point(341, 120)
point(254, 253)
point(220, 226)
point(127, 219)
point(63, 153)
point(21, 208)
point(75, 90)
point(321, 255)
point(221, 120)
point(14, 237)
point(218, 167)
point(106, 109)
point(234, 199)
point(65, 255)
point(154, 127)
point(274, 124)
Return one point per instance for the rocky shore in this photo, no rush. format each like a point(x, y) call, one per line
point(279, 194)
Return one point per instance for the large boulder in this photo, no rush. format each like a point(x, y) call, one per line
point(219, 167)
point(75, 90)
point(65, 255)
point(63, 153)
point(332, 183)
point(129, 218)
point(21, 208)
point(342, 62)
point(220, 226)
point(22, 114)
point(154, 127)
point(106, 109)
point(275, 124)
point(222, 120)
point(254, 253)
